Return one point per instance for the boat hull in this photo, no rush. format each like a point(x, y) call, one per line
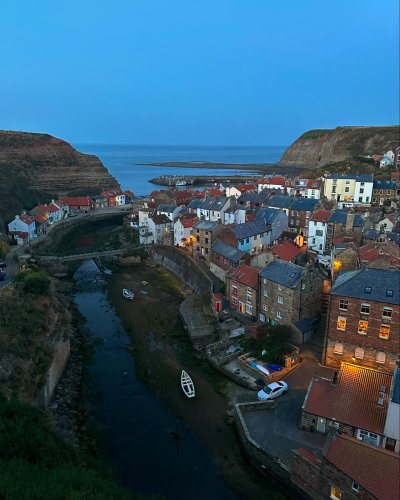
point(187, 385)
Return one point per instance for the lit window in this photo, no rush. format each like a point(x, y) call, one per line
point(338, 348)
point(363, 327)
point(387, 313)
point(343, 304)
point(380, 357)
point(359, 353)
point(336, 494)
point(280, 300)
point(384, 332)
point(341, 323)
point(364, 309)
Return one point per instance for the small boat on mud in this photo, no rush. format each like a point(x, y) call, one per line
point(187, 385)
point(127, 294)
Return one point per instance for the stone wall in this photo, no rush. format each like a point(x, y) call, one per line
point(183, 266)
point(60, 358)
point(308, 422)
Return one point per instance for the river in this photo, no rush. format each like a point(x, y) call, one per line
point(142, 431)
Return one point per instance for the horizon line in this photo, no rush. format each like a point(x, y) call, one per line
point(182, 145)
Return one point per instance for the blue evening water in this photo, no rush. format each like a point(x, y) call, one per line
point(139, 425)
point(126, 162)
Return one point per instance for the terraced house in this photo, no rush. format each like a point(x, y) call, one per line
point(242, 287)
point(288, 292)
point(363, 319)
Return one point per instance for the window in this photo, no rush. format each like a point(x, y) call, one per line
point(319, 232)
point(387, 313)
point(265, 281)
point(347, 182)
point(278, 314)
point(343, 304)
point(303, 285)
point(206, 240)
point(336, 494)
point(346, 189)
point(265, 293)
point(361, 190)
point(262, 317)
point(197, 238)
point(359, 353)
point(249, 309)
point(265, 307)
point(355, 487)
point(338, 348)
point(334, 189)
point(389, 293)
point(364, 309)
point(368, 289)
point(363, 327)
point(279, 287)
point(341, 323)
point(368, 437)
point(384, 332)
point(280, 300)
point(381, 357)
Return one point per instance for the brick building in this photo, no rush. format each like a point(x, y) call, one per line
point(384, 193)
point(299, 215)
point(348, 469)
point(241, 290)
point(288, 292)
point(225, 258)
point(363, 319)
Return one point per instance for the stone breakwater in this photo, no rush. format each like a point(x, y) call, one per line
point(201, 180)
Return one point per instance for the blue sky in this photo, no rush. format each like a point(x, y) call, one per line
point(220, 72)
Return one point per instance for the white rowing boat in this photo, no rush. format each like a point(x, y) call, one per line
point(127, 294)
point(187, 385)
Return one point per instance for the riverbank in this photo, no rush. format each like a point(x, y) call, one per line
point(161, 348)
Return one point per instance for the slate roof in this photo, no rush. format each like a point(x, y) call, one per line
point(267, 215)
point(305, 205)
point(207, 225)
point(369, 284)
point(358, 178)
point(196, 203)
point(231, 253)
point(353, 400)
point(306, 324)
point(284, 273)
point(281, 201)
point(384, 185)
point(166, 208)
point(214, 203)
point(340, 216)
point(370, 234)
point(248, 229)
point(374, 469)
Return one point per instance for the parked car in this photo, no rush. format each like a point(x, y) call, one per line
point(3, 264)
point(2, 275)
point(273, 390)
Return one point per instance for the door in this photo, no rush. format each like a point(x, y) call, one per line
point(321, 425)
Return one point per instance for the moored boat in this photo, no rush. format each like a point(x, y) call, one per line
point(187, 385)
point(180, 183)
point(127, 294)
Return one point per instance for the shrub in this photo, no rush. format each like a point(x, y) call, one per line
point(36, 282)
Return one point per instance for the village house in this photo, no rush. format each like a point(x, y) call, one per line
point(213, 208)
point(349, 188)
point(158, 230)
point(254, 200)
point(277, 219)
point(76, 203)
point(380, 255)
point(99, 201)
point(363, 319)
point(317, 232)
point(300, 212)
point(387, 223)
point(384, 193)
point(252, 237)
point(288, 292)
point(355, 402)
point(281, 203)
point(314, 188)
point(286, 251)
point(114, 197)
point(225, 258)
point(344, 257)
point(239, 190)
point(182, 231)
point(235, 215)
point(22, 229)
point(272, 182)
point(171, 211)
point(205, 232)
point(242, 285)
point(347, 469)
point(51, 212)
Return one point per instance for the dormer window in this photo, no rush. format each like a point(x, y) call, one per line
point(389, 293)
point(368, 289)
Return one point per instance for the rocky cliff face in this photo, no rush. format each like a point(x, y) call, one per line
point(36, 166)
point(317, 147)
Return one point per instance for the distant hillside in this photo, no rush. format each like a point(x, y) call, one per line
point(317, 147)
point(37, 167)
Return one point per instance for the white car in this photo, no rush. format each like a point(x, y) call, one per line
point(273, 390)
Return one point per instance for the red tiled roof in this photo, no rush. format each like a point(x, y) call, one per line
point(75, 201)
point(216, 192)
point(189, 222)
point(246, 187)
point(41, 218)
point(309, 456)
point(314, 184)
point(161, 219)
point(276, 180)
point(353, 400)
point(246, 275)
point(375, 469)
point(377, 157)
point(286, 251)
point(52, 208)
point(321, 216)
point(378, 250)
point(25, 218)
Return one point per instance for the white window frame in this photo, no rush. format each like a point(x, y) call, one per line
point(280, 299)
point(367, 308)
point(341, 303)
point(279, 315)
point(338, 349)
